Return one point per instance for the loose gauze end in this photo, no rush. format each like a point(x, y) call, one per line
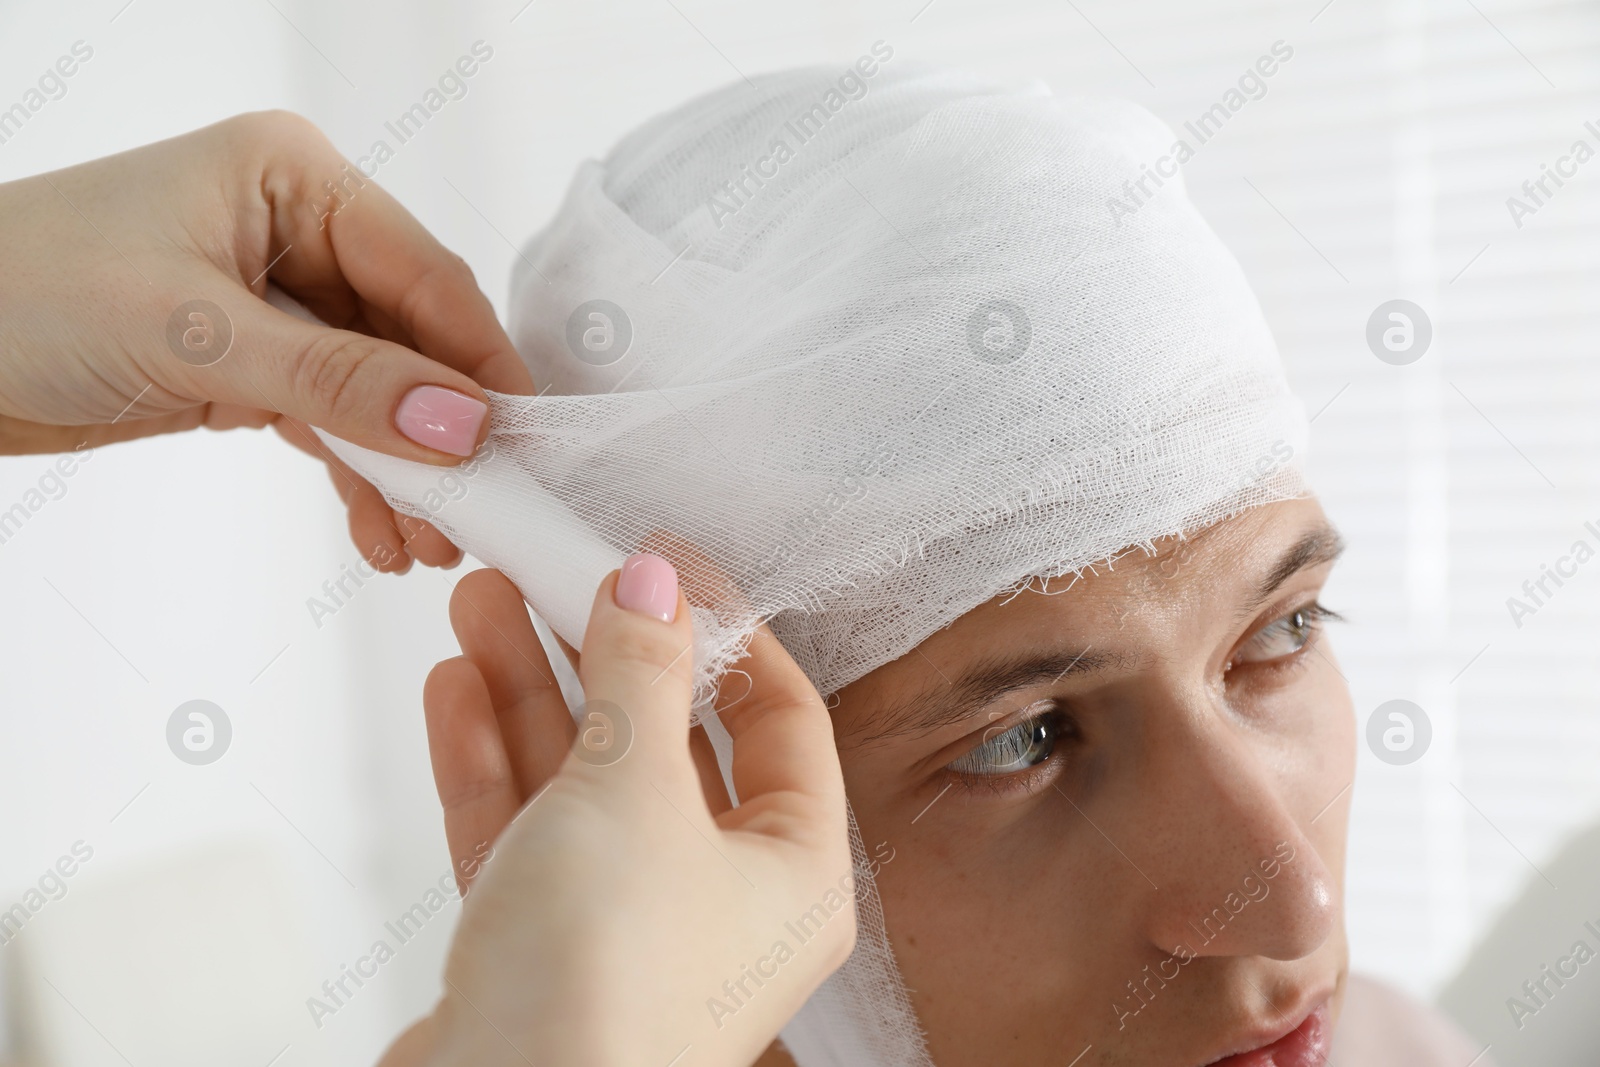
point(857, 356)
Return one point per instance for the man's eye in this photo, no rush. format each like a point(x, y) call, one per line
point(1284, 637)
point(1027, 744)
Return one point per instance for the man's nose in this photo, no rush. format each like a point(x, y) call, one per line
point(1241, 877)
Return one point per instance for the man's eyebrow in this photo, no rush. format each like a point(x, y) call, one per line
point(946, 702)
point(1315, 547)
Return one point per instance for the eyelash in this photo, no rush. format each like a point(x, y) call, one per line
point(1055, 717)
point(1025, 780)
point(1314, 615)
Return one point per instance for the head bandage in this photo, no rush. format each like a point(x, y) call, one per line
point(857, 365)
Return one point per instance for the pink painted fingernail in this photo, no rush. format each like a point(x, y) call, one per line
point(648, 585)
point(441, 418)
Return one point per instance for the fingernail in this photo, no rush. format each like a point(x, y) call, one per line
point(648, 585)
point(441, 418)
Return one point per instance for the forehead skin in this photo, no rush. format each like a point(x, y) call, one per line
point(1018, 919)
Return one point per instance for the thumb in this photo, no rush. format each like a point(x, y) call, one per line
point(636, 671)
point(371, 392)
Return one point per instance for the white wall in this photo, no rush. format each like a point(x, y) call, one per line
point(1376, 166)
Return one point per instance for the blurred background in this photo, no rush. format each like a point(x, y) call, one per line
point(1384, 160)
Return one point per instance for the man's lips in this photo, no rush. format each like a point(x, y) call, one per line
point(1306, 1045)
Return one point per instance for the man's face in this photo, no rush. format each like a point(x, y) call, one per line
point(1108, 821)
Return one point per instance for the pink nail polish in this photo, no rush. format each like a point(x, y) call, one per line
point(648, 585)
point(441, 418)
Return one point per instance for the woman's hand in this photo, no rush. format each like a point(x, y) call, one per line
point(131, 304)
point(628, 914)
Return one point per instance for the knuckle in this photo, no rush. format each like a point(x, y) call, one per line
point(413, 304)
point(462, 268)
point(458, 796)
point(647, 647)
point(430, 291)
point(275, 126)
point(330, 370)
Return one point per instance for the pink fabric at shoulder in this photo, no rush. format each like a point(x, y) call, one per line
point(1382, 1027)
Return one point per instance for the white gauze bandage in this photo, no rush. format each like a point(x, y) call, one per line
point(858, 354)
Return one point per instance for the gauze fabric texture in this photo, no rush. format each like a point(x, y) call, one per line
point(857, 355)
